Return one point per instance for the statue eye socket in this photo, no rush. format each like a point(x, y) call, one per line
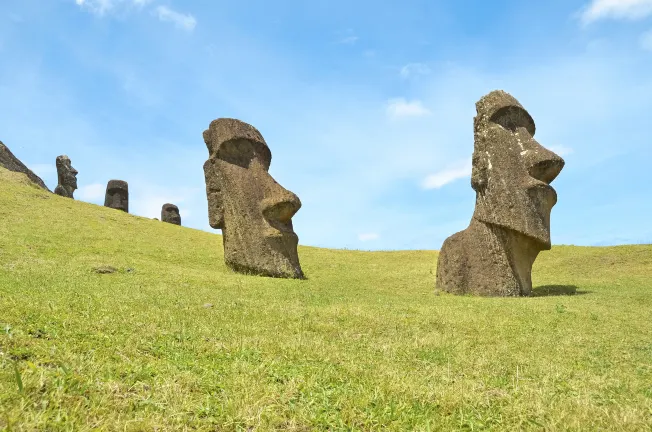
point(514, 117)
point(241, 152)
point(238, 152)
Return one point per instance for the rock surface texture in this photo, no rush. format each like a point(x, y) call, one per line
point(12, 163)
point(67, 177)
point(117, 195)
point(511, 176)
point(245, 202)
point(170, 214)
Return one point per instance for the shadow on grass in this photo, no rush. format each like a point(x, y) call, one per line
point(556, 290)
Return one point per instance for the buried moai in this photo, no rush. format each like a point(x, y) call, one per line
point(511, 223)
point(253, 211)
point(170, 214)
point(117, 195)
point(67, 177)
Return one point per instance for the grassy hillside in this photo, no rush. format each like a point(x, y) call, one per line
point(173, 340)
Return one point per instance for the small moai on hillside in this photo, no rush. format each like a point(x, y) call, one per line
point(117, 195)
point(511, 176)
point(253, 211)
point(170, 214)
point(67, 177)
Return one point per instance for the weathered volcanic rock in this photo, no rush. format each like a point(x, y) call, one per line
point(170, 214)
point(12, 163)
point(253, 211)
point(67, 177)
point(511, 176)
point(117, 195)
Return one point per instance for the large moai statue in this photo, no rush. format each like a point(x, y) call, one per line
point(67, 177)
point(511, 223)
point(170, 214)
point(245, 202)
point(117, 195)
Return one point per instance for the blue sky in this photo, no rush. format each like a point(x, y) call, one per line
point(367, 106)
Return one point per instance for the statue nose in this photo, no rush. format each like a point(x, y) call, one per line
point(281, 207)
point(546, 167)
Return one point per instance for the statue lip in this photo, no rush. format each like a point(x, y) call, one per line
point(547, 191)
point(279, 230)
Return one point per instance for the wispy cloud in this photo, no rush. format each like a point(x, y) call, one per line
point(561, 150)
point(368, 237)
point(448, 175)
point(347, 37)
point(101, 7)
point(412, 69)
point(616, 9)
point(43, 170)
point(180, 20)
point(349, 40)
point(400, 107)
point(91, 193)
point(646, 40)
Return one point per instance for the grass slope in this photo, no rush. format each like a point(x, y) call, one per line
point(175, 341)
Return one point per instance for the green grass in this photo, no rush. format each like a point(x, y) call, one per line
point(176, 341)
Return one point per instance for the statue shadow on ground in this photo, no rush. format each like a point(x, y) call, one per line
point(557, 290)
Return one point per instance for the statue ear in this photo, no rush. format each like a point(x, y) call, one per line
point(213, 195)
point(479, 175)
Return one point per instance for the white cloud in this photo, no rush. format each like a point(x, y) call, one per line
point(349, 40)
point(561, 150)
point(448, 175)
point(184, 21)
point(399, 107)
point(347, 37)
point(91, 193)
point(100, 7)
point(412, 69)
point(150, 205)
point(43, 170)
point(646, 40)
point(368, 237)
point(616, 9)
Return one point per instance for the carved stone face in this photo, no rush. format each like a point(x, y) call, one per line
point(117, 195)
point(252, 209)
point(511, 170)
point(67, 177)
point(170, 214)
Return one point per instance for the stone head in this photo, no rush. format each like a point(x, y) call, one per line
point(512, 172)
point(170, 214)
point(117, 195)
point(252, 209)
point(67, 176)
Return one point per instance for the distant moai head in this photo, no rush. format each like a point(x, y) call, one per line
point(67, 177)
point(170, 214)
point(253, 211)
point(511, 170)
point(117, 195)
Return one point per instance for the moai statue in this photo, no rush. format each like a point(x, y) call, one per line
point(245, 202)
point(117, 195)
point(67, 176)
point(170, 214)
point(511, 223)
